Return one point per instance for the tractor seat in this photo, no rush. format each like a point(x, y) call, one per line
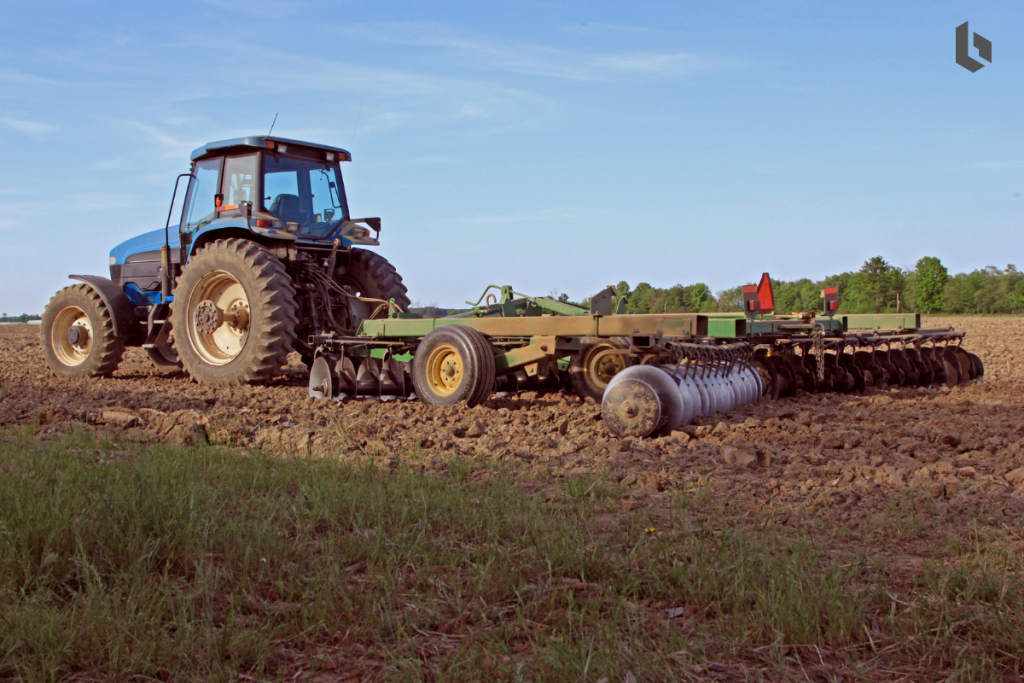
point(286, 207)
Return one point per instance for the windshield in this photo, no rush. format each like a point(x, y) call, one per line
point(306, 192)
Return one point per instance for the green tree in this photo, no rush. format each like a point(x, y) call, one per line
point(701, 298)
point(640, 300)
point(930, 278)
point(873, 288)
point(730, 299)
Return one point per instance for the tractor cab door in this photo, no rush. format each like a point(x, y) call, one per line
point(200, 205)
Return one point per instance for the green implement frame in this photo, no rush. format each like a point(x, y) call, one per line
point(529, 332)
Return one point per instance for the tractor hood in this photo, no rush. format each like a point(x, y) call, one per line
point(146, 242)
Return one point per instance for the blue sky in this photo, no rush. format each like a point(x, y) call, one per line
point(550, 146)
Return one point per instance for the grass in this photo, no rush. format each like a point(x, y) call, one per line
point(123, 561)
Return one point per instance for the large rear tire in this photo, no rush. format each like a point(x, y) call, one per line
point(77, 334)
point(373, 276)
point(233, 314)
point(367, 274)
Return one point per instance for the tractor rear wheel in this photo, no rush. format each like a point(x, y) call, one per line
point(233, 314)
point(77, 334)
point(589, 374)
point(453, 363)
point(369, 275)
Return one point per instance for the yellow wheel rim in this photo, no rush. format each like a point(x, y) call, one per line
point(444, 370)
point(600, 371)
point(218, 317)
point(71, 324)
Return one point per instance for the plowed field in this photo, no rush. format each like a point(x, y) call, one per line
point(962, 446)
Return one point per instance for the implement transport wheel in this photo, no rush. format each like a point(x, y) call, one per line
point(589, 374)
point(233, 314)
point(77, 334)
point(453, 363)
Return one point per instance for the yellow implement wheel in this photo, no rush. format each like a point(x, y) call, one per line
point(453, 363)
point(606, 367)
point(590, 372)
point(218, 321)
point(71, 336)
point(444, 370)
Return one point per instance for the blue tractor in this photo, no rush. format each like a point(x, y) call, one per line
point(264, 256)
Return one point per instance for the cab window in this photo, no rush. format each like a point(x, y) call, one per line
point(200, 209)
point(304, 192)
point(239, 181)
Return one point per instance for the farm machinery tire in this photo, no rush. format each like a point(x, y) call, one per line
point(453, 363)
point(370, 275)
point(590, 381)
point(164, 358)
point(233, 314)
point(77, 334)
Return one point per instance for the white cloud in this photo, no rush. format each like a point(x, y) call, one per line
point(486, 52)
point(173, 148)
point(33, 127)
point(9, 75)
point(110, 164)
point(997, 165)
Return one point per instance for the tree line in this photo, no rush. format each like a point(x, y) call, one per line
point(878, 287)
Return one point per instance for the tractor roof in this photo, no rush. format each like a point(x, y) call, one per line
point(261, 142)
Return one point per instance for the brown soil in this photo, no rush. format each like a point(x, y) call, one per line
point(960, 446)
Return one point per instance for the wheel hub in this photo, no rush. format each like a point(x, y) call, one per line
point(238, 316)
point(208, 317)
point(77, 335)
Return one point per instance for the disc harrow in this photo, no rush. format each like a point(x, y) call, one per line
point(651, 373)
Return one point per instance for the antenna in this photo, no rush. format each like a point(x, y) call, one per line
point(272, 125)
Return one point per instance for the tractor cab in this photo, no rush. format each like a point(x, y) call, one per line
point(278, 188)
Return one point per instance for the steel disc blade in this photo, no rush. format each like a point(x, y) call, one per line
point(321, 385)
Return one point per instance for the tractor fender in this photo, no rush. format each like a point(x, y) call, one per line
point(122, 311)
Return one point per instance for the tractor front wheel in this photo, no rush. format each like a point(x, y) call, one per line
point(233, 314)
point(77, 334)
